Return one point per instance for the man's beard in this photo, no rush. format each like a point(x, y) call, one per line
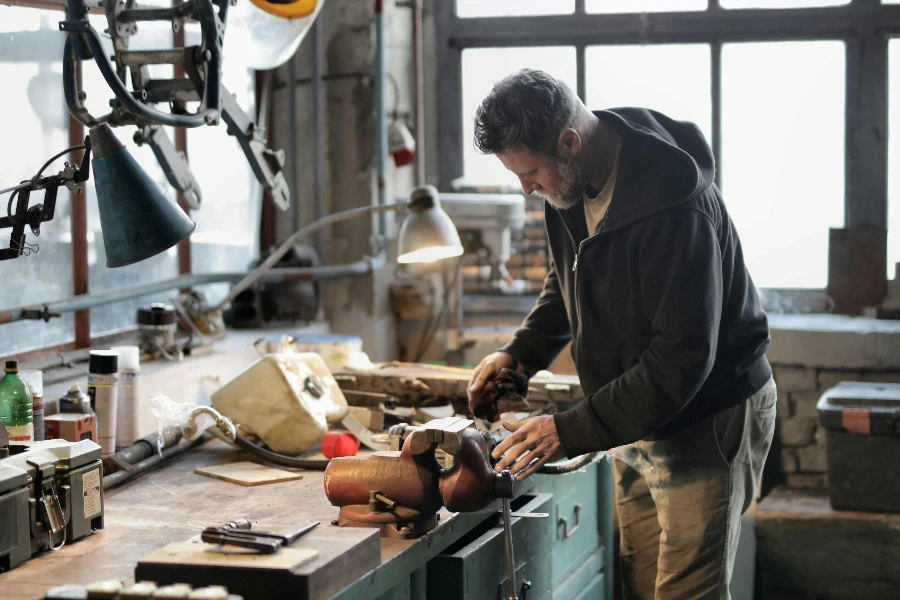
point(570, 186)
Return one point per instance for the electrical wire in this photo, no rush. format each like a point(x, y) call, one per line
point(47, 164)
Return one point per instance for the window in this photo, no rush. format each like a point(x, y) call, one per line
point(30, 65)
point(481, 68)
point(513, 8)
point(671, 78)
point(638, 6)
point(893, 249)
point(783, 155)
point(227, 234)
point(121, 315)
point(781, 3)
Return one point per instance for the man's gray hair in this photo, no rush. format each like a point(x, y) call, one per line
point(528, 108)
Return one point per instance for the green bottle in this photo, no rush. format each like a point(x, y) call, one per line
point(16, 405)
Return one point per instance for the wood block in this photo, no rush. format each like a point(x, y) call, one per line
point(202, 554)
point(247, 473)
point(343, 555)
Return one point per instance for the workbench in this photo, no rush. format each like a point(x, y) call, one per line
point(567, 553)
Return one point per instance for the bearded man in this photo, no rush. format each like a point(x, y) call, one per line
point(648, 282)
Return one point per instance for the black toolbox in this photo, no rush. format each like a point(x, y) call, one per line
point(862, 425)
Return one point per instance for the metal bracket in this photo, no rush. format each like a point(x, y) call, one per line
point(173, 163)
point(267, 164)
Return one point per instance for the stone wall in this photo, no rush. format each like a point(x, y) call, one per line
point(802, 440)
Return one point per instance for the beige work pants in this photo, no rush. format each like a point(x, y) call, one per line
point(680, 505)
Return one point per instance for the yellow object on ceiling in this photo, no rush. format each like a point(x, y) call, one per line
point(292, 9)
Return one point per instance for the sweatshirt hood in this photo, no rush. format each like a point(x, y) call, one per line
point(674, 152)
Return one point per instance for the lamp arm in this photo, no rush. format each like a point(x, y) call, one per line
point(313, 227)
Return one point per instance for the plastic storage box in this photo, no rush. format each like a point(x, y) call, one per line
point(862, 425)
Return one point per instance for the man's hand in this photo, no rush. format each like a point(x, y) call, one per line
point(481, 387)
point(532, 443)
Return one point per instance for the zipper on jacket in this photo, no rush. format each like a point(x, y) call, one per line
point(578, 248)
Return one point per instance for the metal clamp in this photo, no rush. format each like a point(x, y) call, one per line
point(564, 523)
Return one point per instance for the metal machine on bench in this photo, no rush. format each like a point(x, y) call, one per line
point(50, 493)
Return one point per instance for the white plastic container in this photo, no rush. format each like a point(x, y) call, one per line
point(128, 408)
point(287, 400)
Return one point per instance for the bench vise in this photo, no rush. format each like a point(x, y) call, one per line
point(401, 492)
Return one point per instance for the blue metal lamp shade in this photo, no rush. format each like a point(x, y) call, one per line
point(138, 218)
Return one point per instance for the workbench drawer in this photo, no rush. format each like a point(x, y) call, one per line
point(576, 535)
point(475, 567)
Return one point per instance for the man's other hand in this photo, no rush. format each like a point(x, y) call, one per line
point(481, 387)
point(532, 443)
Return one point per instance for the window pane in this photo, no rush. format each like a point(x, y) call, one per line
point(115, 317)
point(781, 3)
point(35, 129)
point(673, 79)
point(641, 6)
point(227, 234)
point(513, 8)
point(481, 68)
point(783, 156)
point(893, 249)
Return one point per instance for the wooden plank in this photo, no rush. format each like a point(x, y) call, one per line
point(247, 473)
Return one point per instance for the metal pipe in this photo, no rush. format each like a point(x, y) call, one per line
point(419, 74)
point(318, 131)
point(85, 301)
point(381, 147)
point(292, 139)
point(297, 236)
point(152, 462)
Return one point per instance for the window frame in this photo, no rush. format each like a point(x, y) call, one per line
point(865, 27)
point(80, 279)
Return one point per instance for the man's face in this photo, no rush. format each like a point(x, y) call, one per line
point(559, 181)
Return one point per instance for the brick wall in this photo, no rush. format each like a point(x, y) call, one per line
point(800, 440)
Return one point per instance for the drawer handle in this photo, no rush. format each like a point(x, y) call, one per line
point(564, 523)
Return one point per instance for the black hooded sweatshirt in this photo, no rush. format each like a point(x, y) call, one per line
point(665, 322)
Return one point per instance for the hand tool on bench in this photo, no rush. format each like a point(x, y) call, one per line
point(237, 533)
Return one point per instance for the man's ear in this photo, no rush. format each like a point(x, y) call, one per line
point(569, 143)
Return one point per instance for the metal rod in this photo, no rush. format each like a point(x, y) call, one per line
point(508, 546)
point(381, 150)
point(313, 227)
point(292, 142)
point(148, 464)
point(419, 75)
point(86, 301)
point(137, 58)
point(318, 131)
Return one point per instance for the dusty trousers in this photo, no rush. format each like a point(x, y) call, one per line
point(681, 502)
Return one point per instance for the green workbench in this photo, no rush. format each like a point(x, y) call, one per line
point(565, 556)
